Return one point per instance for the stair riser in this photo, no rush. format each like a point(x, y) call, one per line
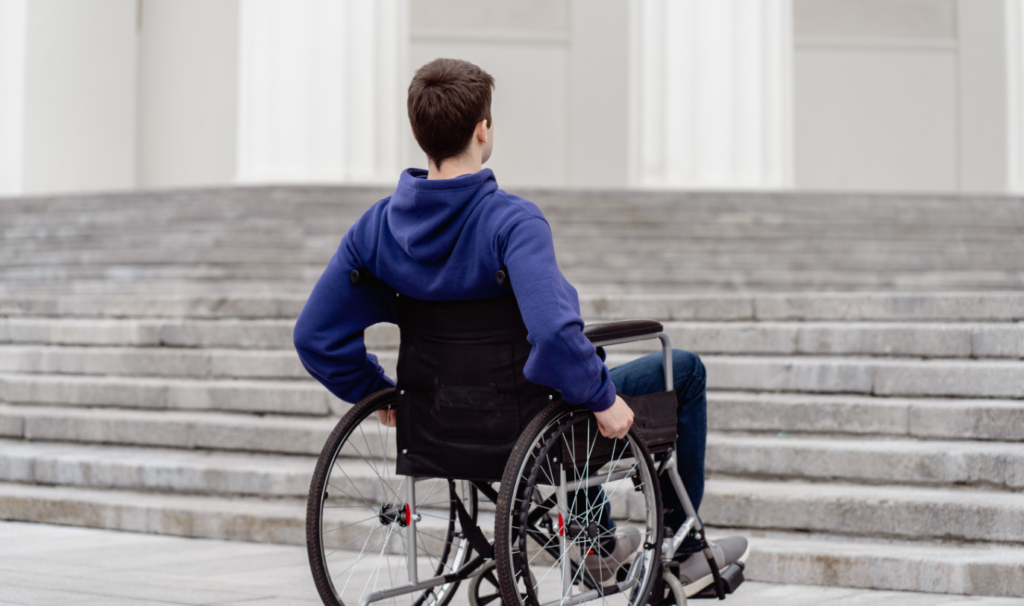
point(990, 307)
point(994, 379)
point(874, 515)
point(878, 569)
point(994, 470)
point(971, 419)
point(929, 340)
point(302, 397)
point(257, 334)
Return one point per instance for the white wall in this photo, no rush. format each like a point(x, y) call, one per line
point(79, 95)
point(187, 92)
point(12, 93)
point(560, 71)
point(900, 95)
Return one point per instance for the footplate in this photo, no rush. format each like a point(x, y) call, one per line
point(732, 577)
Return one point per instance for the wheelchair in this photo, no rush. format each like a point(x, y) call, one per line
point(397, 514)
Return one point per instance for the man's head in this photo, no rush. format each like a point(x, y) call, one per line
point(450, 107)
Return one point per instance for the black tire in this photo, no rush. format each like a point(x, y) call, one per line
point(532, 452)
point(444, 546)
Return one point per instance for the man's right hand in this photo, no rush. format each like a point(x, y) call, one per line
point(614, 422)
point(388, 417)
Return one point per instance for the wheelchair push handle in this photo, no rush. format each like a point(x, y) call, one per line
point(624, 331)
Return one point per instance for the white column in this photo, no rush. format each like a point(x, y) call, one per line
point(12, 94)
point(320, 90)
point(710, 84)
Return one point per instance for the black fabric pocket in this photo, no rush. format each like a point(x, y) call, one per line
point(476, 414)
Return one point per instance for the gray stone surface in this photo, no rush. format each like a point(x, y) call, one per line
point(295, 397)
point(826, 413)
point(856, 509)
point(919, 566)
point(172, 429)
point(45, 564)
point(892, 461)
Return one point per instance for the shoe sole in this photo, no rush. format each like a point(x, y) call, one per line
point(697, 586)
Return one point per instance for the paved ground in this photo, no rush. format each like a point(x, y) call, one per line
point(42, 564)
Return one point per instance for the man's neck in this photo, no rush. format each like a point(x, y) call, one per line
point(454, 167)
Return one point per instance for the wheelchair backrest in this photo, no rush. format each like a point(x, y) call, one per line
point(463, 399)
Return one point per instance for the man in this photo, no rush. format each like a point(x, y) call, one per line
point(441, 237)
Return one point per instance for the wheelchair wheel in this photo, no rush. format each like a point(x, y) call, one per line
point(357, 517)
point(577, 514)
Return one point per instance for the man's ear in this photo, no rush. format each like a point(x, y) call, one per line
point(481, 131)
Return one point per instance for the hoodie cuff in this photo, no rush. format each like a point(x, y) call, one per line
point(604, 398)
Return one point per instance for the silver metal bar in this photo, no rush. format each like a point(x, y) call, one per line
point(666, 360)
point(599, 479)
point(563, 521)
point(590, 595)
point(677, 484)
point(410, 529)
point(405, 589)
point(679, 537)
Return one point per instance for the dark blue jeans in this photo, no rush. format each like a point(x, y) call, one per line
point(643, 376)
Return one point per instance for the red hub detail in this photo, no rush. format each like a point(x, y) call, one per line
point(561, 526)
point(408, 514)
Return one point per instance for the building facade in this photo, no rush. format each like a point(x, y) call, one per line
point(879, 95)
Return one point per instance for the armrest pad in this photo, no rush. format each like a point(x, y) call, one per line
point(621, 331)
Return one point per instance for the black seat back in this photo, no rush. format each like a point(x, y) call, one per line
point(463, 398)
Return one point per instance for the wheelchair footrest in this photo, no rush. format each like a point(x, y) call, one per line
point(732, 578)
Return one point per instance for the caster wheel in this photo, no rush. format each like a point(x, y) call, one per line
point(484, 589)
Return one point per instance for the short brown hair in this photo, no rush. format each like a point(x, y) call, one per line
point(447, 99)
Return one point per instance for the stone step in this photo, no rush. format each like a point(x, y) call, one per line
point(874, 376)
point(777, 557)
point(202, 472)
point(57, 375)
point(637, 278)
point(212, 472)
point(992, 465)
point(168, 428)
point(152, 332)
point(924, 339)
point(279, 301)
point(280, 520)
point(572, 252)
point(923, 418)
point(274, 397)
point(973, 569)
point(161, 469)
point(151, 362)
point(918, 339)
point(855, 509)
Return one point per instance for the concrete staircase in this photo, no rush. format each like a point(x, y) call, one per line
point(865, 439)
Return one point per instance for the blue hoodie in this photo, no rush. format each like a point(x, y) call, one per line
point(443, 240)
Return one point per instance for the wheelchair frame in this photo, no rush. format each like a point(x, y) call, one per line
point(611, 333)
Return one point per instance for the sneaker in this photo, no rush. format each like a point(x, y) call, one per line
point(694, 571)
point(627, 541)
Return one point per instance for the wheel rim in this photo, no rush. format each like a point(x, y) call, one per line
point(363, 518)
point(538, 554)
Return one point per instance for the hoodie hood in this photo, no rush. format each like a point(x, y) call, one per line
point(426, 217)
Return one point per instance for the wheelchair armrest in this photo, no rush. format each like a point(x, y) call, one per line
point(622, 331)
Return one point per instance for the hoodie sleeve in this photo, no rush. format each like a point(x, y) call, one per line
point(328, 335)
point(562, 357)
